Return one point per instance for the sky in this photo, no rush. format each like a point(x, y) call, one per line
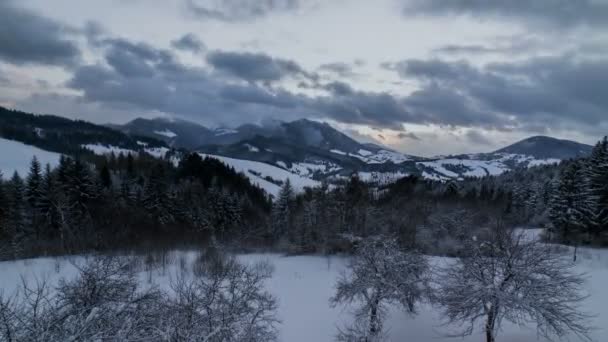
point(424, 77)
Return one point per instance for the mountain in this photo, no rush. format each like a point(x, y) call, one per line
point(543, 147)
point(176, 133)
point(73, 137)
point(304, 151)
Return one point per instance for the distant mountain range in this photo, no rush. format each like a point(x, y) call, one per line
point(318, 151)
point(304, 151)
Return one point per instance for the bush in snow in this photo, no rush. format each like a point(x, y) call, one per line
point(379, 275)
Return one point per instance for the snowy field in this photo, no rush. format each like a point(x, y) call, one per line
point(303, 285)
point(16, 156)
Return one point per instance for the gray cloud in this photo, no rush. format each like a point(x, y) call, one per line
point(26, 37)
point(505, 45)
point(553, 91)
point(555, 13)
point(408, 135)
point(238, 10)
point(189, 42)
point(256, 66)
point(339, 68)
point(477, 137)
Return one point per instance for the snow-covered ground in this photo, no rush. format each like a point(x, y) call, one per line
point(16, 156)
point(258, 171)
point(100, 149)
point(166, 133)
point(304, 284)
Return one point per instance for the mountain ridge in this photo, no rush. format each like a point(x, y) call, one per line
point(306, 148)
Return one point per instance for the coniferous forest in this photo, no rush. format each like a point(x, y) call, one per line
point(106, 203)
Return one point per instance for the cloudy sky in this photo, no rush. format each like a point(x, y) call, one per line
point(422, 76)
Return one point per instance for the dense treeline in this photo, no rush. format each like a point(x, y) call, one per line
point(579, 208)
point(125, 201)
point(570, 199)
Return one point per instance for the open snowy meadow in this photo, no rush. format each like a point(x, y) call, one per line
point(304, 284)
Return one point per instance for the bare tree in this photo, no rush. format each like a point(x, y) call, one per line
point(225, 302)
point(513, 278)
point(104, 302)
point(379, 275)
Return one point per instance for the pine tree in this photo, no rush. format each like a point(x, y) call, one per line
point(156, 198)
point(571, 209)
point(34, 180)
point(281, 210)
point(49, 204)
point(3, 212)
point(33, 194)
point(105, 178)
point(16, 226)
point(597, 173)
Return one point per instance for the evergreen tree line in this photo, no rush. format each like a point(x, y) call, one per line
point(124, 201)
point(570, 199)
point(579, 207)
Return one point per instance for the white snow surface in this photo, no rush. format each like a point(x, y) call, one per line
point(167, 133)
point(304, 284)
point(157, 152)
point(224, 131)
point(471, 167)
point(17, 156)
point(258, 171)
point(338, 152)
point(252, 148)
point(381, 157)
point(101, 150)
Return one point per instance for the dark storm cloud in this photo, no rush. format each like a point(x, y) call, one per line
point(256, 66)
point(556, 13)
point(26, 37)
point(553, 91)
point(238, 10)
point(139, 76)
point(374, 108)
point(189, 42)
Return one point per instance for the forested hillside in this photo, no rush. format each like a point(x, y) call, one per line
point(58, 134)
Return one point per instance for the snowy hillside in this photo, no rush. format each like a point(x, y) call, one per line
point(479, 165)
point(266, 176)
point(378, 157)
point(16, 156)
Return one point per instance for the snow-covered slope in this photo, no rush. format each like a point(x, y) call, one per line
point(16, 156)
point(266, 176)
point(479, 165)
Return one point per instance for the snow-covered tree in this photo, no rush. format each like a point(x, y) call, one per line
point(572, 206)
point(513, 278)
point(380, 274)
point(226, 301)
point(105, 302)
point(597, 172)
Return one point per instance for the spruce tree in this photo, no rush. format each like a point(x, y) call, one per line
point(571, 208)
point(33, 194)
point(16, 225)
point(597, 173)
point(281, 210)
point(156, 198)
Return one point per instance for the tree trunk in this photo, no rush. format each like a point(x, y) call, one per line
point(374, 328)
point(490, 326)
